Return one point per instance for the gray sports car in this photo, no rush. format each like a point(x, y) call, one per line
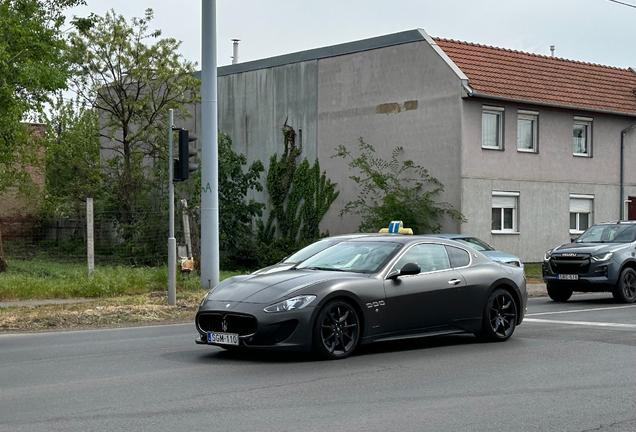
point(365, 290)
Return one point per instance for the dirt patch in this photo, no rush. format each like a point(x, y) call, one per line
point(102, 313)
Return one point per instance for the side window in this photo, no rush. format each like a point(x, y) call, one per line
point(492, 127)
point(582, 133)
point(458, 257)
point(430, 257)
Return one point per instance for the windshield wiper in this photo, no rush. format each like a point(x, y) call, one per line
point(325, 268)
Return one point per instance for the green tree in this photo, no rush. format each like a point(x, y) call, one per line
point(33, 65)
point(300, 196)
point(394, 190)
point(236, 212)
point(132, 83)
point(72, 158)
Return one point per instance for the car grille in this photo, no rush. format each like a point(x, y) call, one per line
point(242, 325)
point(570, 265)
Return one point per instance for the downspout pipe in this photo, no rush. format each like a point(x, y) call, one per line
point(622, 202)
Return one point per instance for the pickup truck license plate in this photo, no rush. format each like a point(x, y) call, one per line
point(568, 276)
point(223, 338)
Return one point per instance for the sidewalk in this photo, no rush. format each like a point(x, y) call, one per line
point(536, 290)
point(43, 302)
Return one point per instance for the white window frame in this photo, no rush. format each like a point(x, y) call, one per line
point(499, 112)
point(515, 206)
point(590, 213)
point(587, 122)
point(532, 116)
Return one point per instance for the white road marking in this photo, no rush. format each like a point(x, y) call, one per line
point(580, 310)
point(581, 323)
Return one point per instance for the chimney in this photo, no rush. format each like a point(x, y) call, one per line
point(552, 50)
point(235, 51)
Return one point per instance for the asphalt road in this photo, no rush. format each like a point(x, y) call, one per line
point(569, 367)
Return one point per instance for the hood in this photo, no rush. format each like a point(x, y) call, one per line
point(266, 288)
point(588, 248)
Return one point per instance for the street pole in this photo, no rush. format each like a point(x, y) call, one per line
point(172, 242)
point(209, 149)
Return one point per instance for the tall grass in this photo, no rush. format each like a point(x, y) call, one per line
point(35, 279)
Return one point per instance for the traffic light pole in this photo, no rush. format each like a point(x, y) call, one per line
point(172, 242)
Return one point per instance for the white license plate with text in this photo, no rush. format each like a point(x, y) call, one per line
point(223, 338)
point(568, 276)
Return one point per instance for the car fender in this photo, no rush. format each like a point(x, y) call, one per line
point(516, 292)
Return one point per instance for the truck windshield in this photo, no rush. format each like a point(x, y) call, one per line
point(614, 233)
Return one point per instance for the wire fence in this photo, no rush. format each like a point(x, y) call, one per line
point(142, 241)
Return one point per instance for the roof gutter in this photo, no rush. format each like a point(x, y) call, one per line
point(623, 201)
point(473, 93)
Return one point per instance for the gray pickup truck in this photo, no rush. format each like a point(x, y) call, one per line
point(602, 259)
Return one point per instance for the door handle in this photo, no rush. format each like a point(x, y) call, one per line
point(454, 281)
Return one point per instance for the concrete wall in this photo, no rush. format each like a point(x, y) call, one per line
point(544, 179)
point(404, 95)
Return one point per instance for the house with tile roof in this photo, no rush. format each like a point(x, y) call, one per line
point(531, 149)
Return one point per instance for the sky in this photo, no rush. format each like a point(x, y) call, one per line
point(594, 31)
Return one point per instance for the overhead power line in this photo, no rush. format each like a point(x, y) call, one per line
point(622, 3)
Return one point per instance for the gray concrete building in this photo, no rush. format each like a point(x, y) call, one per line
point(528, 147)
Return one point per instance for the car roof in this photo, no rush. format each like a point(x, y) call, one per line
point(617, 222)
point(404, 239)
point(449, 236)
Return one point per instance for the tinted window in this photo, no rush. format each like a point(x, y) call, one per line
point(310, 250)
point(362, 257)
point(430, 257)
point(618, 233)
point(458, 257)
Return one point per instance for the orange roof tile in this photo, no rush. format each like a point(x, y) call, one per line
point(537, 78)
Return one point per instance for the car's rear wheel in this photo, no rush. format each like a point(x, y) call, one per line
point(336, 330)
point(625, 288)
point(500, 317)
point(559, 294)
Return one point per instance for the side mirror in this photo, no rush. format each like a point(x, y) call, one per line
point(410, 269)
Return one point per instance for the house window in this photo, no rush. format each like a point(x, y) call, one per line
point(492, 127)
point(580, 212)
point(582, 133)
point(504, 211)
point(527, 131)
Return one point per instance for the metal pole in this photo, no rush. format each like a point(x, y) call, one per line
point(172, 242)
point(90, 237)
point(209, 149)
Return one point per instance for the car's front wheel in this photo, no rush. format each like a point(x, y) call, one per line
point(500, 317)
point(625, 289)
point(336, 330)
point(559, 294)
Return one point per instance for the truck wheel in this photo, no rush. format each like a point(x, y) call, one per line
point(625, 288)
point(559, 294)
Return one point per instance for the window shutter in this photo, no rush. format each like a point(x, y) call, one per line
point(578, 205)
point(504, 201)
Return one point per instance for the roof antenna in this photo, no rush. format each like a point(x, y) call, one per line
point(552, 50)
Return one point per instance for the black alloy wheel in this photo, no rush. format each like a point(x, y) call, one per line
point(625, 289)
point(336, 330)
point(559, 294)
point(500, 317)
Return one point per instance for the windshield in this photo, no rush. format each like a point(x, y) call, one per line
point(362, 257)
point(309, 251)
point(475, 243)
point(615, 233)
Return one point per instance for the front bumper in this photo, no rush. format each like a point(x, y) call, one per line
point(291, 330)
point(592, 276)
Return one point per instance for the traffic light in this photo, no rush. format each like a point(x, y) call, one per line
point(182, 166)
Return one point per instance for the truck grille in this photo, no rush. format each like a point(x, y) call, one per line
point(243, 325)
point(570, 265)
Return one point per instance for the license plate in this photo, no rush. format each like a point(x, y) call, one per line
point(223, 338)
point(567, 277)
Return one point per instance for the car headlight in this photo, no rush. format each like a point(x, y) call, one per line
point(603, 257)
point(205, 298)
point(547, 255)
point(298, 302)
